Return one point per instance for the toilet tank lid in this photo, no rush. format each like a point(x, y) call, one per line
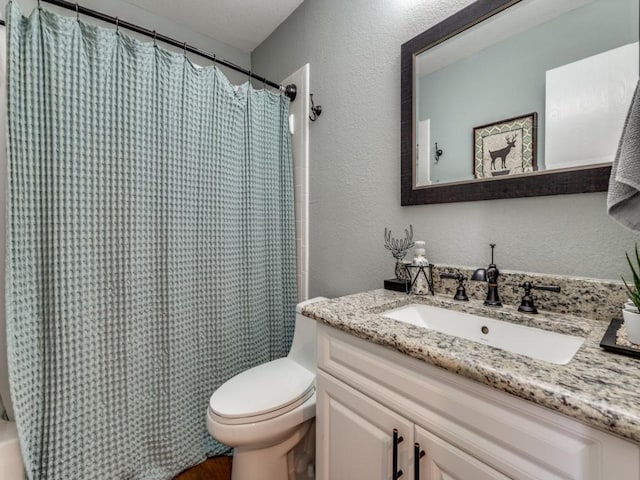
point(262, 389)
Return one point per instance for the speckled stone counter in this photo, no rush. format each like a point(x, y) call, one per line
point(596, 387)
point(590, 298)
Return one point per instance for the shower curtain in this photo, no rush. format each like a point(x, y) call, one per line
point(151, 250)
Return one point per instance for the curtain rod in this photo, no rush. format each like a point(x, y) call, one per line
point(289, 90)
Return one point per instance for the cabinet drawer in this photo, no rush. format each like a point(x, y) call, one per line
point(514, 436)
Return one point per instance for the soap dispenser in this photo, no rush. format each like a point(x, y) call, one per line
point(420, 271)
point(419, 258)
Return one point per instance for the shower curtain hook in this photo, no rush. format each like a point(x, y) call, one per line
point(117, 25)
point(185, 49)
point(214, 59)
point(155, 43)
point(77, 12)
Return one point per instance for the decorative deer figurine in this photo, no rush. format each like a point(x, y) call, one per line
point(503, 152)
point(399, 249)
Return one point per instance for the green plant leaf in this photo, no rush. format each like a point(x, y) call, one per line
point(634, 296)
point(634, 291)
point(636, 278)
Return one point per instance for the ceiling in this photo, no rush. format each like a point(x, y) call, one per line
point(243, 24)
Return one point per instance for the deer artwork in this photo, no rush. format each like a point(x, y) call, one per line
point(503, 152)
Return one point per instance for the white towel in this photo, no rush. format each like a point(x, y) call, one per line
point(623, 198)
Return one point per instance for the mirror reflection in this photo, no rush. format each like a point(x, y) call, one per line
point(543, 85)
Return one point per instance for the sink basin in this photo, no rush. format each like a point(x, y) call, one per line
point(533, 342)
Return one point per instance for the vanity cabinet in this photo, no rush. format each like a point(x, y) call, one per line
point(357, 434)
point(360, 438)
point(443, 461)
point(467, 430)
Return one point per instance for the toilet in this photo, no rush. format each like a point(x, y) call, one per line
point(11, 467)
point(267, 413)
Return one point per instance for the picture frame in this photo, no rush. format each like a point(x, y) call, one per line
point(506, 147)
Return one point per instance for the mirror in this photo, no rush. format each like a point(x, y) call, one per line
point(517, 98)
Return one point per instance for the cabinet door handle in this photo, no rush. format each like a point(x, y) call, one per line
point(396, 440)
point(417, 455)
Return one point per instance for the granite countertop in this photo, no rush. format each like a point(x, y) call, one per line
point(596, 387)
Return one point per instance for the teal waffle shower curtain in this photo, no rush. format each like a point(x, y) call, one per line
point(151, 250)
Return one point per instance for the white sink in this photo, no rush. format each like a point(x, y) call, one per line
point(533, 342)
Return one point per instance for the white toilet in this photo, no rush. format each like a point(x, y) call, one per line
point(267, 413)
point(11, 467)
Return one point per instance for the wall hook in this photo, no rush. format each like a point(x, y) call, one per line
point(439, 152)
point(316, 110)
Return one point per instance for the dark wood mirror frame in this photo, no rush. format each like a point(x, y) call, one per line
point(578, 180)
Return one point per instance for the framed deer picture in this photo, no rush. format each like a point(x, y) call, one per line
point(507, 147)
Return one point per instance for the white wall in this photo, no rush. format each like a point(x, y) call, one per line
point(354, 51)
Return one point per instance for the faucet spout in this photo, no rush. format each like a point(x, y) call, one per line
point(479, 275)
point(493, 299)
point(489, 275)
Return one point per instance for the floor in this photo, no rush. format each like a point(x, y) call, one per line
point(217, 468)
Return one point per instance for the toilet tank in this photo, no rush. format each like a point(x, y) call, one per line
point(303, 347)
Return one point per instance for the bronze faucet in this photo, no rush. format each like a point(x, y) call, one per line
point(490, 275)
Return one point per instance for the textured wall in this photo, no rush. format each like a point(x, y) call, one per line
point(354, 51)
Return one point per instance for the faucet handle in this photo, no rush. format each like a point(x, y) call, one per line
point(461, 293)
point(548, 288)
point(526, 303)
point(454, 275)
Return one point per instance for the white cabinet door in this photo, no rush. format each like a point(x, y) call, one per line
point(355, 435)
point(443, 461)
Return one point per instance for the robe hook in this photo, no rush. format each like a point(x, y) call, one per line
point(438, 152)
point(316, 110)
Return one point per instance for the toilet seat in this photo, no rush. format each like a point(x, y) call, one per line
point(263, 392)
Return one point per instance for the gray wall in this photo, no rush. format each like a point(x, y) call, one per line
point(354, 50)
point(505, 81)
point(165, 26)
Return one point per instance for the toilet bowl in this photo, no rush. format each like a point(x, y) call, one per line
point(267, 412)
point(11, 467)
